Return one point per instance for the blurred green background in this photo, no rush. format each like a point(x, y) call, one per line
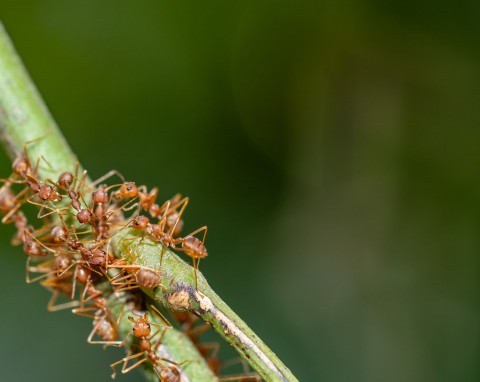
point(331, 148)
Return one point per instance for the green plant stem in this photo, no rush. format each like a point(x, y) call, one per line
point(24, 117)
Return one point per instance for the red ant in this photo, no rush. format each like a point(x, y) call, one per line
point(142, 330)
point(190, 245)
point(168, 209)
point(104, 323)
point(22, 167)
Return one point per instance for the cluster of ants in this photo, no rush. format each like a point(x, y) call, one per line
point(70, 255)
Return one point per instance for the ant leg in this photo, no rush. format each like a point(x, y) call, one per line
point(47, 271)
point(183, 203)
point(124, 340)
point(27, 157)
point(84, 311)
point(161, 256)
point(124, 226)
point(195, 263)
point(195, 266)
point(152, 195)
point(109, 175)
point(48, 163)
point(125, 283)
point(74, 283)
point(44, 206)
point(75, 176)
point(176, 198)
point(125, 360)
point(241, 378)
point(51, 307)
point(125, 208)
point(199, 330)
point(126, 369)
point(13, 211)
point(157, 342)
point(204, 228)
point(18, 204)
point(143, 238)
point(126, 248)
point(83, 300)
point(160, 316)
point(247, 376)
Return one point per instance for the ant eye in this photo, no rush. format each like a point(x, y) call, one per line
point(129, 188)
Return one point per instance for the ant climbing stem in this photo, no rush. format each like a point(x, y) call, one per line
point(104, 324)
point(189, 244)
point(142, 330)
point(22, 165)
point(22, 168)
point(82, 270)
point(140, 276)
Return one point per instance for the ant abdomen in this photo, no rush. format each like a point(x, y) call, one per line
point(148, 278)
point(194, 247)
point(170, 374)
point(106, 330)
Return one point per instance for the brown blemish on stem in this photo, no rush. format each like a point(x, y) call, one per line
point(179, 300)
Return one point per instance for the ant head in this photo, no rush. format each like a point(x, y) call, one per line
point(141, 327)
point(32, 248)
point(45, 192)
point(141, 222)
point(127, 190)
